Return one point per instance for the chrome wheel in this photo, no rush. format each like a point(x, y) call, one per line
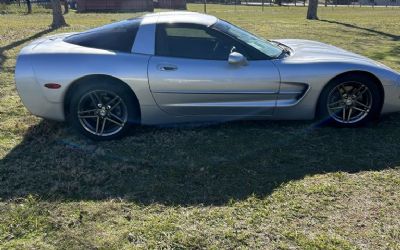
point(349, 102)
point(102, 113)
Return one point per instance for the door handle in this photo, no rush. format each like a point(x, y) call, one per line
point(167, 67)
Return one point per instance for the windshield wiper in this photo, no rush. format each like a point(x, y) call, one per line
point(285, 49)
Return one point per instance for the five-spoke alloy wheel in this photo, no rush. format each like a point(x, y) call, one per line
point(350, 101)
point(102, 111)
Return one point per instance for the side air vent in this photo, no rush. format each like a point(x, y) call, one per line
point(291, 94)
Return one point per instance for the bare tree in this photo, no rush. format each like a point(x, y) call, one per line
point(58, 18)
point(312, 10)
point(66, 7)
point(29, 5)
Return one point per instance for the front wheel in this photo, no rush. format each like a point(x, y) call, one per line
point(102, 111)
point(350, 101)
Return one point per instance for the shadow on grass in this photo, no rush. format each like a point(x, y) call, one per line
point(376, 32)
point(15, 44)
point(208, 165)
point(383, 53)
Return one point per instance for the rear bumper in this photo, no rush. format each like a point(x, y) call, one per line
point(31, 92)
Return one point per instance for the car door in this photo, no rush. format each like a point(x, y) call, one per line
point(190, 74)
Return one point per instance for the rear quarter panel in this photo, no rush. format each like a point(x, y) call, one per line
point(63, 63)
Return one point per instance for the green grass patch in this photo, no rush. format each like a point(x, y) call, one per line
point(266, 184)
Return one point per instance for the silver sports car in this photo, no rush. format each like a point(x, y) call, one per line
point(174, 67)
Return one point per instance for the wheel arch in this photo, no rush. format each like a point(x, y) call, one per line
point(355, 72)
point(90, 78)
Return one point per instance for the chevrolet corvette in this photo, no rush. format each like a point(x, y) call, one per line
point(176, 67)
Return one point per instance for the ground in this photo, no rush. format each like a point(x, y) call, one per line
point(273, 185)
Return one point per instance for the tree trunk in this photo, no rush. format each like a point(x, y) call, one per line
point(58, 19)
point(28, 3)
point(66, 7)
point(312, 10)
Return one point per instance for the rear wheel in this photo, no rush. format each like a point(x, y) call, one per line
point(102, 111)
point(350, 101)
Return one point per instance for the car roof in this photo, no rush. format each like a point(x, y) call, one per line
point(180, 17)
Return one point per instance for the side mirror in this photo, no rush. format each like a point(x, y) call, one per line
point(235, 58)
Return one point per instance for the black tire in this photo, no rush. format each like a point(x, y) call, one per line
point(103, 92)
point(340, 88)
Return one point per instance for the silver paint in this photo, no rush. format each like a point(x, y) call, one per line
point(194, 90)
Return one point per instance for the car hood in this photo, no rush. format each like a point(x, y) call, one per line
point(312, 51)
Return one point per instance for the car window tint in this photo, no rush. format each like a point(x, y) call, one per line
point(195, 42)
point(187, 32)
point(116, 36)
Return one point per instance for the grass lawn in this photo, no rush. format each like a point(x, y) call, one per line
point(271, 185)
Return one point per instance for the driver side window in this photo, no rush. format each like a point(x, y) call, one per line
point(195, 42)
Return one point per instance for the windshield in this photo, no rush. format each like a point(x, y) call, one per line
point(256, 42)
